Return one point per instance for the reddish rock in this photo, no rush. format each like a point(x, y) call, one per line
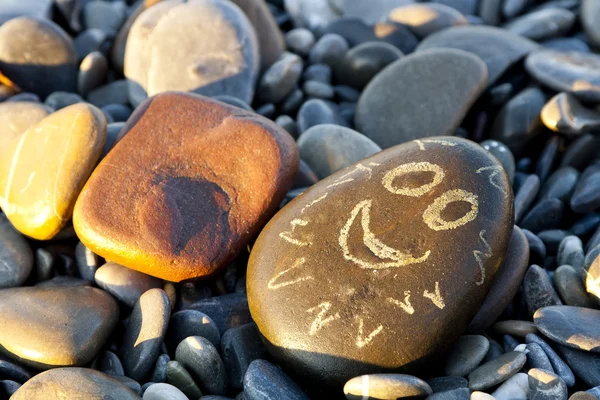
point(189, 183)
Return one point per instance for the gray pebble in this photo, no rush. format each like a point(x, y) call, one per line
point(329, 49)
point(187, 323)
point(496, 371)
point(179, 377)
point(466, 354)
point(279, 79)
point(300, 41)
point(163, 391)
point(266, 381)
point(239, 347)
point(201, 358)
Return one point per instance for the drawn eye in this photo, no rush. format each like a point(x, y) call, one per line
point(411, 168)
point(433, 214)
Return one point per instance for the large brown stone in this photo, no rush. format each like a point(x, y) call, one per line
point(383, 264)
point(47, 327)
point(186, 188)
point(42, 173)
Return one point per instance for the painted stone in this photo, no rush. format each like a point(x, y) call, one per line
point(401, 247)
point(182, 212)
point(42, 173)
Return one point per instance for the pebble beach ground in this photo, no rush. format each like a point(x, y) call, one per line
point(300, 199)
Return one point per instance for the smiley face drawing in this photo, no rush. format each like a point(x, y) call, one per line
point(379, 266)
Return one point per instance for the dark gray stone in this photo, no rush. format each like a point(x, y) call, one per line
point(91, 40)
point(113, 93)
point(202, 360)
point(567, 44)
point(10, 9)
point(59, 100)
point(537, 358)
point(92, 72)
point(560, 184)
point(370, 12)
point(547, 214)
point(179, 377)
point(239, 347)
point(191, 323)
point(109, 363)
point(266, 381)
point(526, 195)
point(300, 41)
point(496, 371)
point(329, 50)
point(574, 327)
point(547, 159)
point(466, 355)
point(447, 383)
point(503, 154)
point(319, 90)
point(538, 289)
point(589, 16)
point(159, 374)
point(542, 24)
point(446, 80)
point(581, 151)
point(13, 372)
point(454, 394)
point(570, 287)
point(565, 114)
point(585, 364)
point(558, 365)
point(16, 257)
point(105, 16)
point(586, 197)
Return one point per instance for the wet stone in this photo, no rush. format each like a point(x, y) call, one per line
point(498, 48)
point(542, 24)
point(73, 383)
point(496, 371)
point(179, 377)
point(239, 347)
point(202, 360)
point(466, 354)
point(538, 289)
point(514, 388)
point(264, 380)
point(416, 84)
point(217, 51)
point(185, 240)
point(16, 256)
point(42, 327)
point(38, 56)
point(328, 148)
point(573, 72)
point(565, 114)
point(544, 385)
point(386, 386)
point(124, 284)
point(286, 261)
point(144, 333)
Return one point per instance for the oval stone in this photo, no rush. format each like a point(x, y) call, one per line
point(400, 247)
point(73, 383)
point(42, 173)
point(46, 327)
point(16, 257)
point(178, 212)
point(574, 327)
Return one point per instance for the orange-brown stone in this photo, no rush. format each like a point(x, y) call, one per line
point(189, 183)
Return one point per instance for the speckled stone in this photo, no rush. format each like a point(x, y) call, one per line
point(446, 80)
point(55, 326)
point(302, 301)
point(42, 173)
point(144, 333)
point(73, 383)
point(38, 56)
point(545, 385)
point(217, 50)
point(237, 194)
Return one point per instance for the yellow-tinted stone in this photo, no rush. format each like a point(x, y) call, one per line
point(18, 116)
point(42, 173)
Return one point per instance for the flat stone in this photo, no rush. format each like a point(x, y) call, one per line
point(372, 12)
point(352, 306)
point(567, 44)
point(16, 117)
point(264, 380)
point(386, 387)
point(163, 391)
point(506, 285)
point(583, 363)
point(586, 197)
point(570, 287)
point(573, 72)
point(227, 311)
point(202, 359)
point(439, 17)
point(240, 346)
point(329, 148)
point(589, 14)
point(526, 196)
point(560, 184)
point(239, 184)
point(558, 365)
point(191, 323)
point(124, 284)
point(38, 56)
point(565, 114)
point(16, 257)
point(514, 327)
point(60, 100)
point(518, 122)
point(574, 327)
point(179, 377)
point(514, 388)
point(42, 173)
point(217, 50)
point(144, 333)
point(491, 11)
point(55, 326)
point(496, 371)
point(454, 394)
point(447, 383)
point(537, 358)
point(62, 280)
point(416, 84)
point(466, 355)
point(542, 24)
point(544, 385)
point(498, 48)
point(72, 383)
point(539, 291)
point(548, 157)
point(279, 79)
point(546, 214)
point(580, 151)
